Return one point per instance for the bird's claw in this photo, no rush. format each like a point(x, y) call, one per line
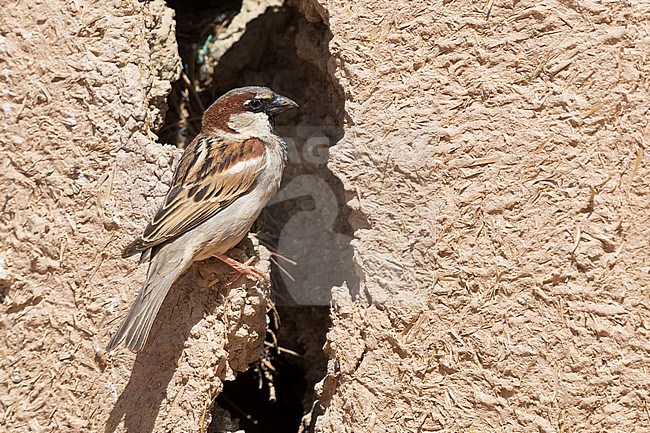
point(245, 268)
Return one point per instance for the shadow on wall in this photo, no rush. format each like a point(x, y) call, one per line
point(306, 225)
point(139, 404)
point(208, 288)
point(307, 221)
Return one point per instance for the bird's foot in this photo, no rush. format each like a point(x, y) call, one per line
point(245, 268)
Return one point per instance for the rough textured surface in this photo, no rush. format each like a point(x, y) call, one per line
point(496, 151)
point(82, 84)
point(495, 159)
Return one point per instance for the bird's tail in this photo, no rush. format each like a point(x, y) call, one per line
point(135, 329)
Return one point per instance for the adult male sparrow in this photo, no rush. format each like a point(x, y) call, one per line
point(223, 180)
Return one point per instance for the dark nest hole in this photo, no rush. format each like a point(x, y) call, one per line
point(307, 224)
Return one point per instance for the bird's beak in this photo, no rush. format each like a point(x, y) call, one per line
point(281, 103)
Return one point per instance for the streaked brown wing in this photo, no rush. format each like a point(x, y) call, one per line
point(212, 174)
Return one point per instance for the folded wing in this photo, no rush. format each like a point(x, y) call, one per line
point(211, 175)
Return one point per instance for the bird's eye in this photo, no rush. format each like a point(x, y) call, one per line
point(255, 104)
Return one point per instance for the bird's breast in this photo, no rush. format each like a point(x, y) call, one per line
point(227, 228)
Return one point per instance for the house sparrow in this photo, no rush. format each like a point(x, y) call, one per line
point(223, 180)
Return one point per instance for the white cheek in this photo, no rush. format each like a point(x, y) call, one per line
point(254, 124)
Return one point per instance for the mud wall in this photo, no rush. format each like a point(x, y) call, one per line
point(489, 159)
point(84, 87)
point(498, 154)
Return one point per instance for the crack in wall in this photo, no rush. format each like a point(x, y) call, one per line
point(233, 44)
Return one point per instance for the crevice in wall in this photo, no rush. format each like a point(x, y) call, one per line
point(197, 23)
point(232, 44)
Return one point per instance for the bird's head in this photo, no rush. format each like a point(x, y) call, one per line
point(247, 110)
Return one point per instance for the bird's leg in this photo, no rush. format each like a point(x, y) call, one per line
point(244, 268)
